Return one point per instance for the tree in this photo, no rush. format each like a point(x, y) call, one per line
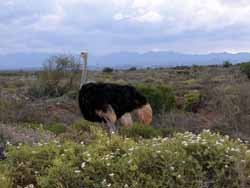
point(59, 74)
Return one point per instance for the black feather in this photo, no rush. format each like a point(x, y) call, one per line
point(98, 96)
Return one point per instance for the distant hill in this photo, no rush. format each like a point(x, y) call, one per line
point(19, 61)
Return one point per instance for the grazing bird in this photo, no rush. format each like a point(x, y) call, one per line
point(107, 103)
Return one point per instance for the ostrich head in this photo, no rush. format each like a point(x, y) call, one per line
point(84, 56)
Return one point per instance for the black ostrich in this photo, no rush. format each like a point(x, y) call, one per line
point(106, 102)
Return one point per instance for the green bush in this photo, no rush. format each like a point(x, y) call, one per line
point(186, 160)
point(143, 131)
point(245, 68)
point(56, 128)
point(192, 101)
point(80, 131)
point(5, 181)
point(161, 98)
point(132, 69)
point(227, 64)
point(108, 70)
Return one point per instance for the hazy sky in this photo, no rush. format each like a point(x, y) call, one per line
point(104, 26)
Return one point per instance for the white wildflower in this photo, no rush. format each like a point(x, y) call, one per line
point(30, 186)
point(104, 181)
point(77, 171)
point(239, 140)
point(83, 165)
point(131, 149)
point(39, 144)
point(184, 143)
point(111, 175)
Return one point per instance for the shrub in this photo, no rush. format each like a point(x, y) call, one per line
point(186, 160)
point(161, 98)
point(25, 133)
point(192, 101)
point(107, 70)
point(245, 68)
point(80, 131)
point(57, 77)
point(5, 180)
point(143, 131)
point(227, 64)
point(132, 69)
point(56, 128)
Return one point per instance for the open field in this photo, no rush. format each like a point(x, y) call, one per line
point(49, 144)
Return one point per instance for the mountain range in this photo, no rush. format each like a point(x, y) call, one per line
point(24, 61)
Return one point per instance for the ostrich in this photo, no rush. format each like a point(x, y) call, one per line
point(107, 102)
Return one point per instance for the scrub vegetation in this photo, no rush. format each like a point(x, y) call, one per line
point(199, 135)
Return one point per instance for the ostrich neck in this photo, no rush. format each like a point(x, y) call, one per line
point(84, 73)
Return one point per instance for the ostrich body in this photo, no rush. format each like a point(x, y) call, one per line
point(107, 102)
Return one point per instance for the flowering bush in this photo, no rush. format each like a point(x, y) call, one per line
point(185, 160)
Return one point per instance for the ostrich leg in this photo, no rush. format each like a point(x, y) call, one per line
point(145, 114)
point(110, 118)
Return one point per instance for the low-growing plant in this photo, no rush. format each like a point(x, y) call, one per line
point(80, 131)
point(5, 178)
point(144, 131)
point(56, 128)
point(186, 160)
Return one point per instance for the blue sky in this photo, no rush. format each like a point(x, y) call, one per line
point(105, 26)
